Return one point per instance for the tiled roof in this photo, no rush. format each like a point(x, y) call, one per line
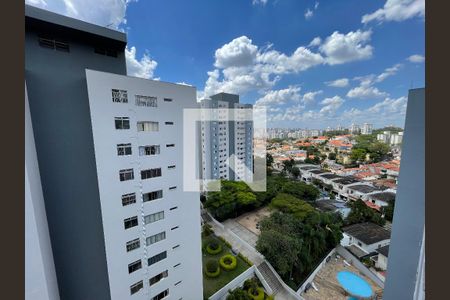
point(368, 233)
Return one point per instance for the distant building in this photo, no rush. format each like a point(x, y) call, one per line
point(354, 129)
point(366, 128)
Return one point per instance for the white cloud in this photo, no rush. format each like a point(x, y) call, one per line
point(366, 92)
point(143, 67)
point(239, 52)
point(397, 10)
point(310, 97)
point(184, 83)
point(331, 105)
point(109, 13)
point(341, 48)
point(308, 14)
point(342, 82)
point(388, 72)
point(278, 97)
point(316, 5)
point(416, 58)
point(262, 2)
point(315, 42)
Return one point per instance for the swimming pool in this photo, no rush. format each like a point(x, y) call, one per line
point(354, 284)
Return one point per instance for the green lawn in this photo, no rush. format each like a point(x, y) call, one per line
point(212, 285)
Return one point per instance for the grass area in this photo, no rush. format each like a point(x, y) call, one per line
point(212, 285)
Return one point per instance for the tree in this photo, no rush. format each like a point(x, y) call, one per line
point(301, 190)
point(269, 160)
point(288, 165)
point(295, 172)
point(290, 204)
point(358, 154)
point(389, 210)
point(332, 156)
point(238, 294)
point(361, 213)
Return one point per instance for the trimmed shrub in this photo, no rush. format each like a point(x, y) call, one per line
point(213, 248)
point(212, 268)
point(228, 262)
point(257, 294)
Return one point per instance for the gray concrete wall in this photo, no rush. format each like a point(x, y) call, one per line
point(409, 215)
point(62, 130)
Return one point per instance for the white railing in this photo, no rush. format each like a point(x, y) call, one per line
point(236, 282)
point(263, 281)
point(286, 287)
point(214, 220)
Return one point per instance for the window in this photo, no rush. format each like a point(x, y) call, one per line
point(126, 174)
point(150, 173)
point(175, 247)
point(136, 287)
point(54, 44)
point(133, 244)
point(153, 195)
point(147, 126)
point(177, 265)
point(161, 295)
point(134, 266)
point(122, 122)
point(167, 100)
point(168, 123)
point(173, 228)
point(128, 199)
point(130, 222)
point(156, 238)
point(172, 188)
point(178, 283)
point(107, 52)
point(156, 258)
point(158, 278)
point(170, 145)
point(149, 150)
point(154, 217)
point(148, 101)
point(119, 96)
point(171, 167)
point(123, 149)
point(175, 207)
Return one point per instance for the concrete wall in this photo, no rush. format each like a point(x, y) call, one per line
point(235, 283)
point(314, 273)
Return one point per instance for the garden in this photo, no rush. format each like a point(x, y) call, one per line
point(220, 265)
point(251, 290)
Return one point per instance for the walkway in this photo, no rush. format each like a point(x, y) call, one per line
point(245, 234)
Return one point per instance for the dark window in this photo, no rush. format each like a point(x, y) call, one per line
point(119, 96)
point(136, 287)
point(153, 195)
point(148, 101)
point(104, 51)
point(126, 174)
point(172, 188)
point(175, 207)
point(170, 145)
point(123, 149)
point(173, 228)
point(167, 99)
point(149, 150)
point(168, 123)
point(130, 222)
point(122, 122)
point(128, 199)
point(158, 278)
point(134, 266)
point(133, 244)
point(178, 264)
point(54, 44)
point(161, 295)
point(150, 173)
point(175, 247)
point(171, 167)
point(178, 282)
point(158, 257)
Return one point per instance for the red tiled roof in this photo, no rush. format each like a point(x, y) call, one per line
point(372, 205)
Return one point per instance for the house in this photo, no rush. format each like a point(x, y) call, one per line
point(360, 191)
point(382, 198)
point(306, 171)
point(382, 258)
point(339, 145)
point(333, 206)
point(341, 184)
point(363, 239)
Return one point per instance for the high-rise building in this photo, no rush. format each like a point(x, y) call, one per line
point(224, 139)
point(366, 128)
point(354, 129)
point(109, 153)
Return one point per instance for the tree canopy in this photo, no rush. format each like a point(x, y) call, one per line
point(361, 213)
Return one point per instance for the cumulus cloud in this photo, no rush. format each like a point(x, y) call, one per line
point(143, 67)
point(316, 5)
point(388, 72)
point(310, 97)
point(341, 48)
point(416, 58)
point(308, 14)
point(366, 92)
point(342, 82)
point(315, 42)
point(397, 10)
point(262, 2)
point(110, 13)
point(239, 52)
point(278, 97)
point(331, 105)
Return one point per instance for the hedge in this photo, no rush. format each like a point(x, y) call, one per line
point(244, 258)
point(228, 262)
point(213, 248)
point(259, 296)
point(212, 268)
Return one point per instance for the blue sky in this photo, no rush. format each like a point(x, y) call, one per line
point(312, 63)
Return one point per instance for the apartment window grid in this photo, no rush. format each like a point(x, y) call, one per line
point(126, 174)
point(152, 195)
point(147, 126)
point(154, 217)
point(158, 278)
point(151, 173)
point(161, 295)
point(156, 258)
point(136, 287)
point(128, 199)
point(122, 122)
point(156, 238)
point(148, 101)
point(133, 244)
point(54, 44)
point(149, 150)
point(134, 266)
point(130, 222)
point(124, 149)
point(119, 96)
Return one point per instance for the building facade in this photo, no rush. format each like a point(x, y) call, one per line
point(227, 145)
point(366, 128)
point(114, 233)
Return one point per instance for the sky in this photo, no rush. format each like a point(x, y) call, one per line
point(313, 64)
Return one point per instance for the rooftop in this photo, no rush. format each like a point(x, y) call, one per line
point(308, 168)
point(383, 196)
point(384, 250)
point(330, 176)
point(321, 171)
point(346, 180)
point(328, 205)
point(368, 233)
point(363, 188)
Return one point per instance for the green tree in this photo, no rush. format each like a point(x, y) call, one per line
point(301, 190)
point(358, 154)
point(238, 294)
point(389, 210)
point(290, 204)
point(332, 156)
point(269, 159)
point(295, 172)
point(361, 213)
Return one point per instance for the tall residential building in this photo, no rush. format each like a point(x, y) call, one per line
point(366, 128)
point(224, 139)
point(354, 129)
point(109, 154)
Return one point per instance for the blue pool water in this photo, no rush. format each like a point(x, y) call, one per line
point(353, 284)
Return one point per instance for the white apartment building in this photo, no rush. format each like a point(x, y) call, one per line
point(222, 139)
point(151, 226)
point(366, 128)
point(354, 128)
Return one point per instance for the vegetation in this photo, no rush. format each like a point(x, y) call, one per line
point(250, 290)
point(228, 262)
point(301, 190)
point(213, 248)
point(332, 156)
point(238, 294)
point(295, 245)
point(212, 269)
point(295, 172)
point(361, 213)
point(368, 144)
point(207, 230)
point(292, 205)
point(388, 210)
